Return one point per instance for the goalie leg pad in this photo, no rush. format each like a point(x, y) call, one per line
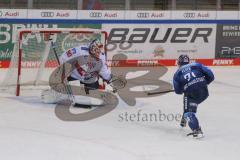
point(50, 96)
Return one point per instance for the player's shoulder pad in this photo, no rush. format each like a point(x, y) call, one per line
point(196, 64)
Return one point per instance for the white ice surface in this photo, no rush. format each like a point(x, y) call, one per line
point(30, 130)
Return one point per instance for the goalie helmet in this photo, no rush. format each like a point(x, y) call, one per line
point(95, 48)
point(183, 60)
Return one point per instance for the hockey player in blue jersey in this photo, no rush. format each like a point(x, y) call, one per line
point(192, 80)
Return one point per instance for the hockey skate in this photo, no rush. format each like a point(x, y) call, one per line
point(197, 133)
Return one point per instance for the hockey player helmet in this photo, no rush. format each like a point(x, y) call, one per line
point(95, 48)
point(183, 60)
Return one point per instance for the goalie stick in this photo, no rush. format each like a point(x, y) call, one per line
point(64, 81)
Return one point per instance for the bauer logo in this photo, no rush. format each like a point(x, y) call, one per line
point(189, 15)
point(95, 14)
point(118, 35)
point(47, 14)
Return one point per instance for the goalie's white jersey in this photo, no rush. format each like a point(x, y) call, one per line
point(82, 72)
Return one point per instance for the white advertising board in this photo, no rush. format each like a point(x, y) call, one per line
point(161, 41)
point(194, 15)
point(13, 13)
point(117, 14)
point(227, 15)
point(52, 14)
point(101, 14)
point(148, 15)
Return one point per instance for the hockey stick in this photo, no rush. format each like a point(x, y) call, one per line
point(160, 92)
point(65, 82)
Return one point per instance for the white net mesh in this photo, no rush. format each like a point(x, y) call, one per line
point(38, 59)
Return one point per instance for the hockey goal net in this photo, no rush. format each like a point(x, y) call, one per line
point(33, 58)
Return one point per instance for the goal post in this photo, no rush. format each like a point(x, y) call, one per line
point(33, 59)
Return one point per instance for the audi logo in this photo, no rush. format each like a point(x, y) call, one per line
point(95, 14)
point(142, 15)
point(1, 13)
point(189, 15)
point(47, 14)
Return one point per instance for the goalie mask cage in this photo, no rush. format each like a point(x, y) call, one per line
point(33, 58)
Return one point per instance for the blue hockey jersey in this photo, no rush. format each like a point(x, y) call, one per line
point(191, 77)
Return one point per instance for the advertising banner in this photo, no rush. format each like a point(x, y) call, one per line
point(118, 14)
point(194, 15)
point(227, 41)
point(52, 14)
point(227, 15)
point(8, 34)
point(148, 15)
point(13, 13)
point(101, 14)
point(145, 37)
point(161, 41)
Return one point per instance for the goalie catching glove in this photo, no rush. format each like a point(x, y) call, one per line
point(117, 82)
point(50, 96)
